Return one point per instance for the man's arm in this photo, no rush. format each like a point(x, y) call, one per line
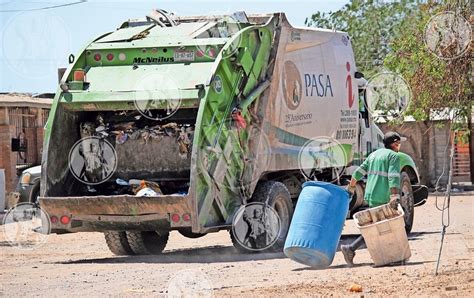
point(394, 173)
point(358, 174)
point(394, 179)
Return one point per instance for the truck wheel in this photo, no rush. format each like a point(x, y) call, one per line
point(118, 243)
point(147, 242)
point(407, 201)
point(34, 194)
point(276, 195)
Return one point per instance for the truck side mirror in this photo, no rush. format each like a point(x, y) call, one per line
point(358, 75)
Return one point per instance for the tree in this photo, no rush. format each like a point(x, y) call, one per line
point(438, 83)
point(390, 35)
point(370, 24)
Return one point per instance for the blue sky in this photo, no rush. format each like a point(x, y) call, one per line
point(36, 41)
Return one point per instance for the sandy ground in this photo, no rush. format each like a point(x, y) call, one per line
point(81, 264)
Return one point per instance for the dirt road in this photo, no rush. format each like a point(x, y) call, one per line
point(81, 264)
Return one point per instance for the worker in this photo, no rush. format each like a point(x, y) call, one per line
point(382, 168)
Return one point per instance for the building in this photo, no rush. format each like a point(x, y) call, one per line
point(22, 119)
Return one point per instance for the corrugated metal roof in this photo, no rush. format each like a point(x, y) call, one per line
point(23, 100)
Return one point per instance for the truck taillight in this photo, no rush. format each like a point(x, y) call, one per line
point(79, 75)
point(212, 53)
point(97, 57)
point(175, 217)
point(65, 219)
point(110, 57)
point(186, 217)
point(54, 219)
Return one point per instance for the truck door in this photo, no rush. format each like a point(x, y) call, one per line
point(365, 136)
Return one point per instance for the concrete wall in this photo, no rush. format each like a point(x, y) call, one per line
point(428, 143)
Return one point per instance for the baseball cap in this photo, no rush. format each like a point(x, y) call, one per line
point(392, 137)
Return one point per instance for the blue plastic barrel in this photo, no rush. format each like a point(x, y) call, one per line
point(317, 224)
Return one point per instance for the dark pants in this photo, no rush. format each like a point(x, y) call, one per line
point(357, 243)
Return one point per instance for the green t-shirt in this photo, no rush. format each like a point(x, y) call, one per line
point(382, 168)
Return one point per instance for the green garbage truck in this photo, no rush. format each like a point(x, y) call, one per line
point(174, 123)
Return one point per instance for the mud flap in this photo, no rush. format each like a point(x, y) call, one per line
point(420, 194)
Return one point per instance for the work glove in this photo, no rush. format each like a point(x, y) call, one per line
point(351, 190)
point(394, 201)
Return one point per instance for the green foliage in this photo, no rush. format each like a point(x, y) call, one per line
point(436, 84)
point(371, 26)
point(390, 35)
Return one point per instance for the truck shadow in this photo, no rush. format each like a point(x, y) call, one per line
point(212, 254)
point(222, 254)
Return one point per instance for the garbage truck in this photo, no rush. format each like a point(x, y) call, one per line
point(174, 123)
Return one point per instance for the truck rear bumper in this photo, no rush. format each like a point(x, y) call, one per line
point(124, 212)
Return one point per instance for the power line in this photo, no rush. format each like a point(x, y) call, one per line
point(46, 7)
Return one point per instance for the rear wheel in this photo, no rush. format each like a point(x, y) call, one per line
point(273, 194)
point(147, 242)
point(34, 194)
point(407, 201)
point(118, 243)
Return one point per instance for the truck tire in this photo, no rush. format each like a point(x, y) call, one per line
point(34, 193)
point(276, 195)
point(118, 243)
point(407, 201)
point(147, 242)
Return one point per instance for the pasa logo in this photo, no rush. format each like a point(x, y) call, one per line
point(291, 84)
point(350, 96)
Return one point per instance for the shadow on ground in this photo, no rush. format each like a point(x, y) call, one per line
point(212, 254)
point(218, 254)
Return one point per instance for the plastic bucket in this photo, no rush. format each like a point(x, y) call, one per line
point(317, 224)
point(384, 233)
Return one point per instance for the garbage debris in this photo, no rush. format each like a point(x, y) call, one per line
point(150, 185)
point(451, 288)
point(238, 118)
point(146, 192)
point(125, 131)
point(377, 214)
point(141, 188)
point(355, 288)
